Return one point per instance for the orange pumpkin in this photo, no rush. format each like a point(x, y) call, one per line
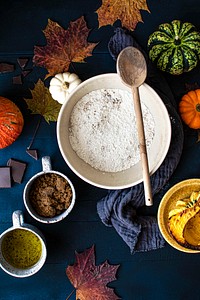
point(11, 122)
point(189, 108)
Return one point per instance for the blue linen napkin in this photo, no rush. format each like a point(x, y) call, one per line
point(122, 208)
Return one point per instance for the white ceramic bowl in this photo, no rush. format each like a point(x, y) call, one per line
point(133, 175)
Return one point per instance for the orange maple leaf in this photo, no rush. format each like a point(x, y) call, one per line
point(63, 46)
point(125, 10)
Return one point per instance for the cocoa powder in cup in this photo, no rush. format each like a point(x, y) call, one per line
point(50, 194)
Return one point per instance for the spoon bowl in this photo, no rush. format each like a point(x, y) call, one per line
point(131, 66)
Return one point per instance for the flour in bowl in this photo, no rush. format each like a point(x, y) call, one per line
point(103, 132)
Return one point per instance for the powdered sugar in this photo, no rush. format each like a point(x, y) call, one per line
point(103, 130)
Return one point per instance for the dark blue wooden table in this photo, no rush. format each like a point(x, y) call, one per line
point(159, 274)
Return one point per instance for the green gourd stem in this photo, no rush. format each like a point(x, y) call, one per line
point(177, 40)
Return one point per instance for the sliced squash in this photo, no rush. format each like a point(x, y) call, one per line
point(192, 231)
point(184, 221)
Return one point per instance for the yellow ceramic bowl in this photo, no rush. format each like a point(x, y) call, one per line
point(179, 191)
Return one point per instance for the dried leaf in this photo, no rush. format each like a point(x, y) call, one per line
point(42, 102)
point(63, 46)
point(126, 11)
point(89, 280)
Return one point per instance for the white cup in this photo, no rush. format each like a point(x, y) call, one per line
point(47, 169)
point(24, 230)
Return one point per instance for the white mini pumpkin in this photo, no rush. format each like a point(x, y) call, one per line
point(62, 85)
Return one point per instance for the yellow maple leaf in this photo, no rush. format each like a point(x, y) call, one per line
point(128, 12)
point(42, 102)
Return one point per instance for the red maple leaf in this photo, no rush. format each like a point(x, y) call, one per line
point(63, 46)
point(91, 281)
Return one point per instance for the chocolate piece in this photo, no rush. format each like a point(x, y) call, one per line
point(33, 153)
point(6, 67)
point(17, 79)
point(22, 62)
point(17, 169)
point(26, 72)
point(5, 177)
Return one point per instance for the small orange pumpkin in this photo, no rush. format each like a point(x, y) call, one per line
point(189, 108)
point(11, 122)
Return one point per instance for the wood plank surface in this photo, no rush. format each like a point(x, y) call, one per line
point(156, 275)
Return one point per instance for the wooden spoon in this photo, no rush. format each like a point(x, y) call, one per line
point(132, 68)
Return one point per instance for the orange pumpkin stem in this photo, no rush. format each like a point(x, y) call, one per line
point(198, 107)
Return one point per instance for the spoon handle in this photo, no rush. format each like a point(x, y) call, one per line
point(142, 145)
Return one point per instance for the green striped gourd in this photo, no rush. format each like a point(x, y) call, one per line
point(175, 47)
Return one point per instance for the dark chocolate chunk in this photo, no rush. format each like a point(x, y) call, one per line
point(6, 67)
point(17, 79)
point(32, 152)
point(17, 169)
point(26, 72)
point(5, 177)
point(22, 62)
